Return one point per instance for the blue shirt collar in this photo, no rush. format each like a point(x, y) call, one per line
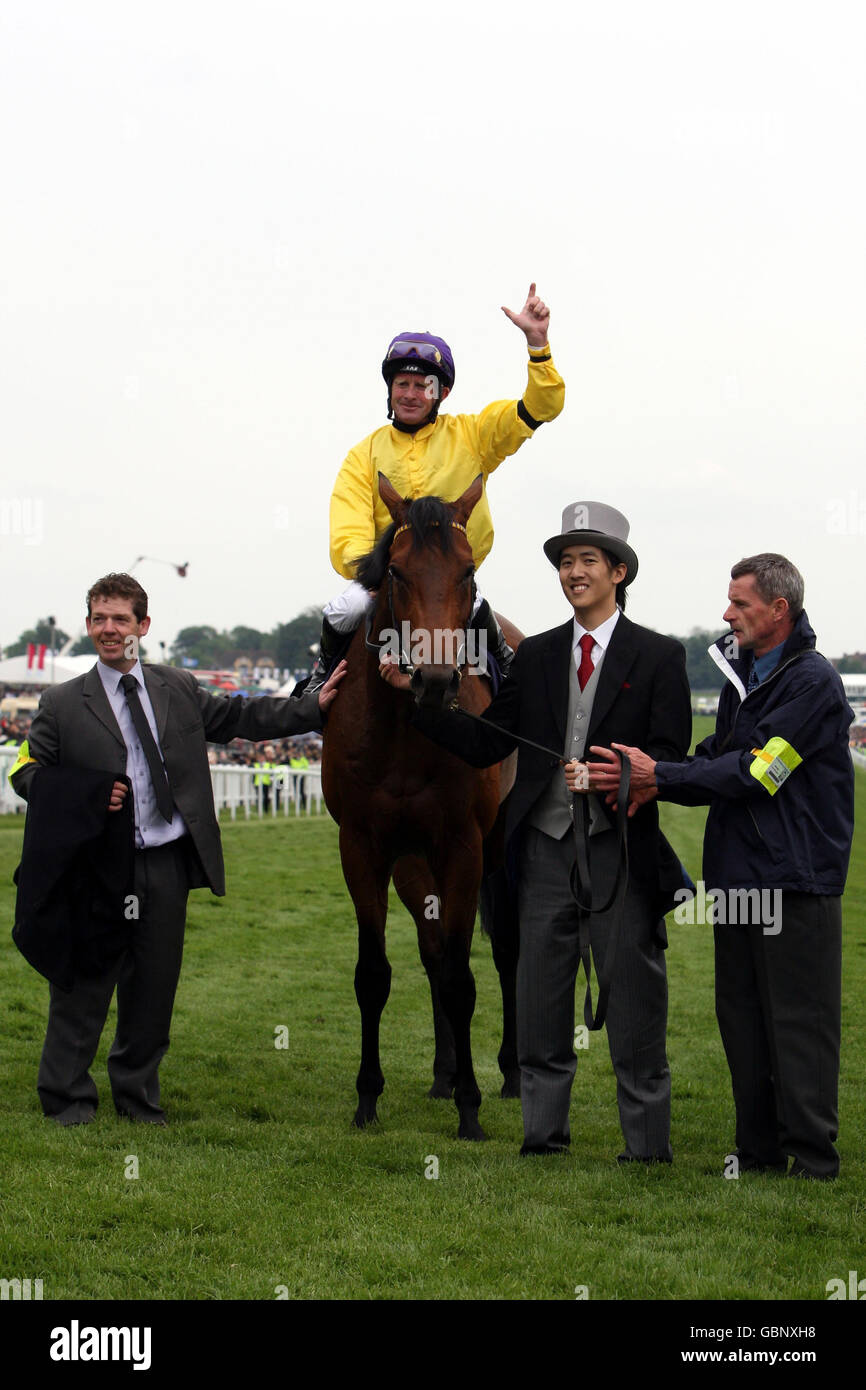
point(764, 666)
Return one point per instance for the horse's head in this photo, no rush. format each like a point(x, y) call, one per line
point(424, 574)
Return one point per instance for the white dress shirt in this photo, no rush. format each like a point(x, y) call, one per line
point(602, 635)
point(150, 828)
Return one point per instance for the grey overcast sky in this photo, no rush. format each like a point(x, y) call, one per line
point(215, 216)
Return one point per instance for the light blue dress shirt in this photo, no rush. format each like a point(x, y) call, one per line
point(150, 828)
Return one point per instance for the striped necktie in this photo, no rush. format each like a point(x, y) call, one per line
point(158, 774)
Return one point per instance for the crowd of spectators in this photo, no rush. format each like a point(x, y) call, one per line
point(300, 754)
point(238, 753)
point(15, 721)
point(14, 730)
point(857, 737)
point(281, 751)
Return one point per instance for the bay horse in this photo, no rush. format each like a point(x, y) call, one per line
point(408, 808)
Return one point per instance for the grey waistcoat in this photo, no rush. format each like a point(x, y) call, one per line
point(552, 811)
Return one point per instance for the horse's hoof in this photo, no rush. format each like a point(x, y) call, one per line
point(511, 1086)
point(441, 1089)
point(471, 1129)
point(365, 1114)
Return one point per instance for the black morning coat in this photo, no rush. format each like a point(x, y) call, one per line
point(642, 700)
point(72, 914)
point(74, 731)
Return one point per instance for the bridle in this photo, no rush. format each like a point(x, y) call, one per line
point(404, 664)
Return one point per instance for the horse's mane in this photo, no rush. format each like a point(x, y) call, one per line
point(429, 518)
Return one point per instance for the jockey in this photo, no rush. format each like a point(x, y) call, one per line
point(423, 453)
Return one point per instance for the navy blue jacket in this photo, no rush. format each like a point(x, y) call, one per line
point(774, 821)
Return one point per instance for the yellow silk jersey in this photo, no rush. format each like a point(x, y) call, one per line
point(439, 460)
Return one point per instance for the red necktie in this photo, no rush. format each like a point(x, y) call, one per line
point(586, 668)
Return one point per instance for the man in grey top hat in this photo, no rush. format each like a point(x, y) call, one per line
point(572, 688)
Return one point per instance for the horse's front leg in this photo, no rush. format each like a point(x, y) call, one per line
point(367, 881)
point(460, 882)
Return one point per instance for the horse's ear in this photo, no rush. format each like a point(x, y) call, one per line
point(392, 499)
point(463, 505)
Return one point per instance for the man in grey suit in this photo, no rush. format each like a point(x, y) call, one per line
point(150, 725)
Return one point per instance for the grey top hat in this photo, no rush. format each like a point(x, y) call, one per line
point(594, 523)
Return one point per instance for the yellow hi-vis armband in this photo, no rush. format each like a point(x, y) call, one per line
point(23, 759)
point(774, 763)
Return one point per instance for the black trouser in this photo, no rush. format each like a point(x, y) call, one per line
point(779, 1006)
point(146, 977)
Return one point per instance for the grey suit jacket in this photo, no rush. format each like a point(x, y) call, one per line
point(75, 727)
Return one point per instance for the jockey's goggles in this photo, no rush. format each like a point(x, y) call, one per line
point(426, 351)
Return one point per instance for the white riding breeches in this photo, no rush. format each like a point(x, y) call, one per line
point(344, 613)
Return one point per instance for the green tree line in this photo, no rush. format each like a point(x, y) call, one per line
point(288, 646)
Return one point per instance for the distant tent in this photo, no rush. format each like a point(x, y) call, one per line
point(15, 671)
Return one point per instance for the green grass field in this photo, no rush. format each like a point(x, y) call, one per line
point(262, 1186)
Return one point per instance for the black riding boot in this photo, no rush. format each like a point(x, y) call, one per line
point(486, 621)
point(330, 644)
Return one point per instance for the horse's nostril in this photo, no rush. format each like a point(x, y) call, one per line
point(434, 687)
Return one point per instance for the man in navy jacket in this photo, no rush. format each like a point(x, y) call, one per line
point(778, 777)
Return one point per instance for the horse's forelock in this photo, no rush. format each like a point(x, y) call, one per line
point(429, 517)
point(431, 514)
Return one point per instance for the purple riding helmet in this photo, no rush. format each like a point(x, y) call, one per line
point(421, 353)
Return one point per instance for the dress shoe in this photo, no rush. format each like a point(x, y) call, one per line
point(747, 1163)
point(628, 1157)
point(75, 1115)
point(158, 1120)
point(799, 1170)
point(528, 1149)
